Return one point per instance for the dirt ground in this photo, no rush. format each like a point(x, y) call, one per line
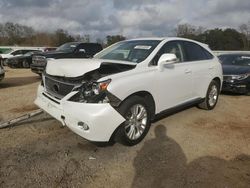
point(192, 148)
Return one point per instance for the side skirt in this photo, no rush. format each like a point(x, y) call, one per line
point(178, 108)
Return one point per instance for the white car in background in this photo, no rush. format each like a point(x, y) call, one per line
point(117, 94)
point(12, 53)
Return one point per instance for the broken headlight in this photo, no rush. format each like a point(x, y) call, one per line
point(92, 92)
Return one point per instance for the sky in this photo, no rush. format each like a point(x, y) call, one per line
point(131, 18)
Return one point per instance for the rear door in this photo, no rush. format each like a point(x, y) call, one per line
point(199, 60)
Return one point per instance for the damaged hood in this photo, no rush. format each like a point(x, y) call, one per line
point(77, 67)
point(71, 67)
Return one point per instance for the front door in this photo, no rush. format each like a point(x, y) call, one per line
point(174, 82)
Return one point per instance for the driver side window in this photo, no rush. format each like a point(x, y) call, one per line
point(172, 47)
point(17, 52)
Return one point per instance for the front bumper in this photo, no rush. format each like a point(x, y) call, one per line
point(102, 119)
point(38, 69)
point(241, 87)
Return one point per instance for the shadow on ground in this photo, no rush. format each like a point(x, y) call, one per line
point(162, 163)
point(18, 81)
point(232, 93)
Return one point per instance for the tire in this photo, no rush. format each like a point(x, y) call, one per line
point(212, 96)
point(132, 131)
point(26, 64)
point(4, 62)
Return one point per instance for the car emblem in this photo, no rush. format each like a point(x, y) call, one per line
point(56, 88)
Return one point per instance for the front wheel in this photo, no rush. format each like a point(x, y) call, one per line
point(137, 114)
point(212, 96)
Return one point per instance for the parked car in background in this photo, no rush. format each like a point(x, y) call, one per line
point(116, 94)
point(67, 50)
point(1, 72)
point(22, 61)
point(236, 73)
point(48, 49)
point(8, 54)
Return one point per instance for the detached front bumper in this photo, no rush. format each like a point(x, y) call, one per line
point(101, 119)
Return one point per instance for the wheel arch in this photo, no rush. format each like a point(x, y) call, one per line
point(148, 98)
point(218, 80)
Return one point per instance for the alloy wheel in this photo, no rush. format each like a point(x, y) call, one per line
point(136, 121)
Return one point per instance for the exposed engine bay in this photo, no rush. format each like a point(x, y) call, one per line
point(89, 89)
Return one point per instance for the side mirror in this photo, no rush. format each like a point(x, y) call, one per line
point(166, 59)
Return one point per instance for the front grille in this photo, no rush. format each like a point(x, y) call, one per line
point(57, 88)
point(39, 60)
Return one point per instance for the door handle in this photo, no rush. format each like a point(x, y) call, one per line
point(187, 71)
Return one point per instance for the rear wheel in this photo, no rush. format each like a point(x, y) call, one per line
point(137, 114)
point(211, 97)
point(26, 64)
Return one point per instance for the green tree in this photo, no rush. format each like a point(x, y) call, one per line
point(218, 39)
point(245, 35)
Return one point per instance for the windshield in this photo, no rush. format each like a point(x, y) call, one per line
point(239, 60)
point(68, 47)
point(134, 51)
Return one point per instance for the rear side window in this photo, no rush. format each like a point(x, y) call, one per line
point(26, 51)
point(195, 52)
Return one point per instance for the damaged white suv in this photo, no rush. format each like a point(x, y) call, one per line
point(117, 94)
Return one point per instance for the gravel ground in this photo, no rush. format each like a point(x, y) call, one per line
point(192, 148)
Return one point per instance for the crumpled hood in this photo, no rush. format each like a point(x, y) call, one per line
point(71, 67)
point(76, 67)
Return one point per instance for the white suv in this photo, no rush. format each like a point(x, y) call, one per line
point(117, 94)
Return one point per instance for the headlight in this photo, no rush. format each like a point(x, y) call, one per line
point(92, 92)
point(240, 77)
point(99, 87)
